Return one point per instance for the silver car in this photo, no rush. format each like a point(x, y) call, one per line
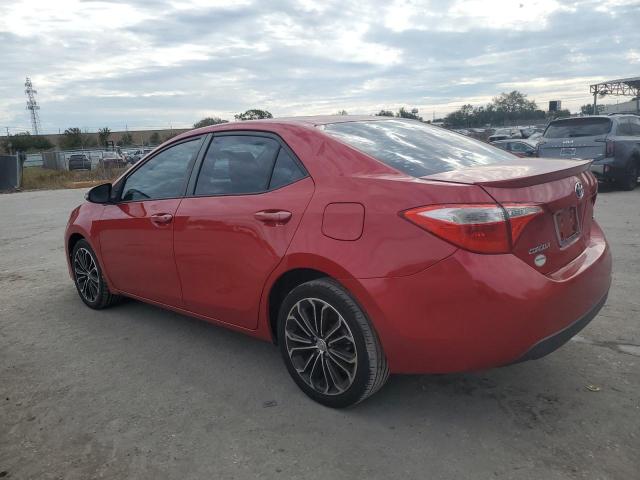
point(612, 142)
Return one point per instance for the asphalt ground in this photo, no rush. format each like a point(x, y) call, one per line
point(139, 392)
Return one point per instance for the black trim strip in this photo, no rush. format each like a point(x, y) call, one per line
point(555, 341)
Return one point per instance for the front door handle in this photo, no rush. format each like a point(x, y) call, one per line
point(161, 218)
point(273, 217)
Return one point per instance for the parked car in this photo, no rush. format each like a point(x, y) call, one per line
point(521, 148)
point(612, 142)
point(505, 133)
point(112, 160)
point(79, 161)
point(362, 246)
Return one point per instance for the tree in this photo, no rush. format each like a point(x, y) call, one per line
point(384, 113)
point(24, 142)
point(506, 107)
point(412, 114)
point(72, 138)
point(89, 140)
point(342, 112)
point(125, 140)
point(103, 135)
point(253, 114)
point(154, 139)
point(205, 122)
point(169, 136)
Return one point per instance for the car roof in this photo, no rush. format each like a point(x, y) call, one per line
point(272, 124)
point(608, 117)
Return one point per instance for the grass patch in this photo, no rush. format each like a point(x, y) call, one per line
point(38, 178)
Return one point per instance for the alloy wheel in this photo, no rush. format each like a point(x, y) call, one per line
point(321, 346)
point(87, 276)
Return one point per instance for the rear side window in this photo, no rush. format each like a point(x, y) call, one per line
point(237, 164)
point(415, 148)
point(635, 127)
point(578, 127)
point(624, 127)
point(164, 175)
point(286, 171)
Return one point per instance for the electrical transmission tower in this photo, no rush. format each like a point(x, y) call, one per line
point(32, 106)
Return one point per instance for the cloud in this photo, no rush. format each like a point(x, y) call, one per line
point(146, 63)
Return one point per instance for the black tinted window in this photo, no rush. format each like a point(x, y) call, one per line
point(635, 126)
point(578, 127)
point(520, 147)
point(164, 175)
point(236, 165)
point(624, 127)
point(286, 170)
point(416, 148)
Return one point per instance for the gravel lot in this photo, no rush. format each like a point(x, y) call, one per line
point(138, 392)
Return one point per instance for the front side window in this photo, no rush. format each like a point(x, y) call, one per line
point(415, 148)
point(164, 175)
point(236, 165)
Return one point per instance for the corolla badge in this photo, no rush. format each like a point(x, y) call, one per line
point(579, 190)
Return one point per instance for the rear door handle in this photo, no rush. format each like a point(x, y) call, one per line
point(161, 218)
point(273, 217)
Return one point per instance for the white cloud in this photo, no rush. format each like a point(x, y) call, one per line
point(147, 62)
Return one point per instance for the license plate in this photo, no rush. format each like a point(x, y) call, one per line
point(568, 151)
point(567, 225)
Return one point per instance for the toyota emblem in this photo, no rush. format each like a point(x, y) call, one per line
point(579, 190)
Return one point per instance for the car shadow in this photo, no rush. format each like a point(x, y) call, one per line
point(251, 374)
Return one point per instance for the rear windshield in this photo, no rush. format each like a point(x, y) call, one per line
point(415, 148)
point(578, 127)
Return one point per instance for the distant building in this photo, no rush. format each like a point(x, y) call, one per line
point(622, 107)
point(555, 105)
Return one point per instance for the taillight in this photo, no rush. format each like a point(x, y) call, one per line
point(610, 149)
point(482, 228)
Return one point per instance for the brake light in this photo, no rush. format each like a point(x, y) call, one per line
point(610, 149)
point(482, 228)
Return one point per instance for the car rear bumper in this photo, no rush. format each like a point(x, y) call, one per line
point(470, 311)
point(553, 342)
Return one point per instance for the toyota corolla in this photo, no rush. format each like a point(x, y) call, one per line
point(362, 246)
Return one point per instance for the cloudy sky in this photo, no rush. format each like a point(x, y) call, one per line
point(156, 63)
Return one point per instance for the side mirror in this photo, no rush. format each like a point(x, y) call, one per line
point(99, 194)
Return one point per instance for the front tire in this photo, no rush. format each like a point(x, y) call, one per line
point(88, 277)
point(329, 346)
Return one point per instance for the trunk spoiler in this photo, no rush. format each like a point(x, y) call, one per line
point(516, 173)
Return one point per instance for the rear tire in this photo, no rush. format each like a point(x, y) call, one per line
point(630, 179)
point(88, 278)
point(329, 346)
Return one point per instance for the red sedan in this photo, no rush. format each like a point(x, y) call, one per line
point(362, 246)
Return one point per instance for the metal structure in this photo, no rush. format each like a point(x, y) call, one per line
point(624, 86)
point(32, 106)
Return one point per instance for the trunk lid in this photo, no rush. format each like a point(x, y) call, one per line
point(561, 233)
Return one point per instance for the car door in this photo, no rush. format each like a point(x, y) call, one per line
point(136, 231)
point(247, 202)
